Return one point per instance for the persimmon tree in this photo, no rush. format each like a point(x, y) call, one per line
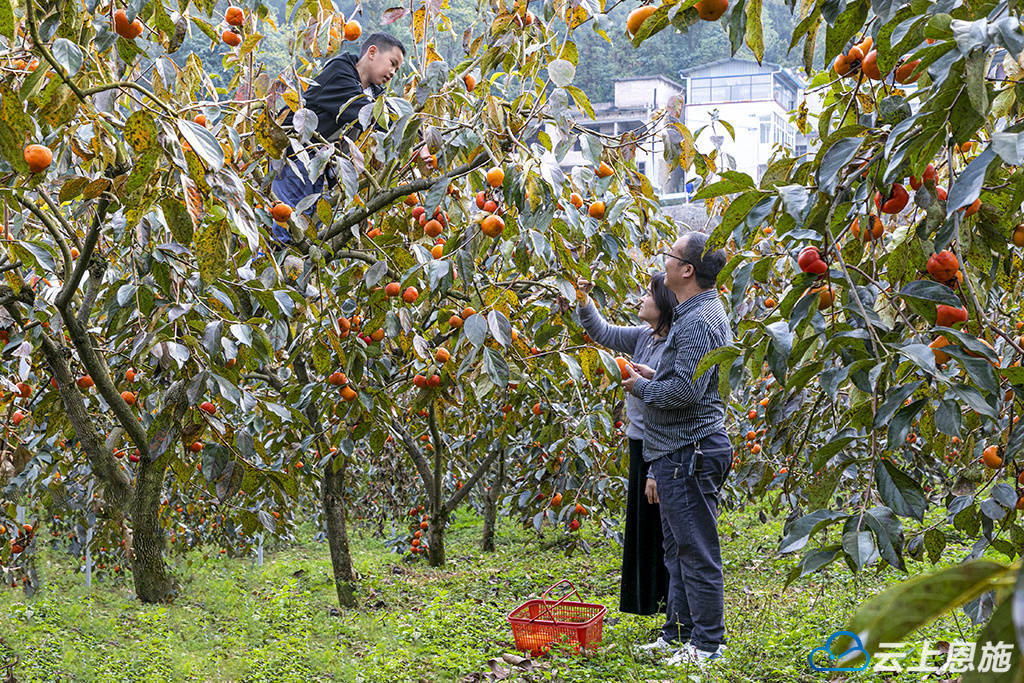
point(192, 378)
point(874, 286)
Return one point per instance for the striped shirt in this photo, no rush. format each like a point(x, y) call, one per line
point(680, 410)
point(636, 340)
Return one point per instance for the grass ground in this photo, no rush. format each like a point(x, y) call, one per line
point(238, 621)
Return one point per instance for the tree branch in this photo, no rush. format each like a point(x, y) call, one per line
point(385, 198)
point(418, 459)
point(75, 278)
point(118, 490)
point(471, 482)
point(51, 228)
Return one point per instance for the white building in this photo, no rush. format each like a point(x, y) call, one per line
point(635, 101)
point(755, 99)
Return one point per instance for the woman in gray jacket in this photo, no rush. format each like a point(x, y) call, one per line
point(644, 586)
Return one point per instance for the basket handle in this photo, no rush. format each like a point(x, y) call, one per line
point(544, 599)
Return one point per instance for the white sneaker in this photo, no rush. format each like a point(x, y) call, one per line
point(659, 644)
point(690, 654)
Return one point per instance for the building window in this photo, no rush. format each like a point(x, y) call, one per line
point(743, 88)
point(761, 88)
point(642, 167)
point(765, 133)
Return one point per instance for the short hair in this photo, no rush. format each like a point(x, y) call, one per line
point(706, 266)
point(383, 42)
point(665, 300)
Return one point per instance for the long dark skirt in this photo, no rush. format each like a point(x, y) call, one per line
point(644, 576)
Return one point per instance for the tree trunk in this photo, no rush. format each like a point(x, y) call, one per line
point(337, 535)
point(491, 498)
point(152, 582)
point(333, 497)
point(435, 538)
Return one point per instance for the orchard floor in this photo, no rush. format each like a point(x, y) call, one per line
point(236, 621)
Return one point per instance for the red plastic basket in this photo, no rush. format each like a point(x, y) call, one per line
point(538, 623)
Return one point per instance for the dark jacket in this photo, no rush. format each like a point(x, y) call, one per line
point(335, 86)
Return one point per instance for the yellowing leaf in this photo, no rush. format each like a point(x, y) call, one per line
point(291, 98)
point(419, 24)
point(211, 251)
point(270, 136)
point(140, 131)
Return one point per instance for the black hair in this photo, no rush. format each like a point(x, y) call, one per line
point(665, 300)
point(706, 266)
point(383, 42)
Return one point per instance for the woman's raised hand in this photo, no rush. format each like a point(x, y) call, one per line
point(583, 289)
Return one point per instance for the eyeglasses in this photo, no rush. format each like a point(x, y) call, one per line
point(671, 255)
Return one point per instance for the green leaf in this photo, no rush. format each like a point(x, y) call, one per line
point(500, 327)
point(722, 187)
point(803, 528)
point(162, 433)
point(269, 135)
point(968, 184)
point(977, 90)
point(30, 251)
point(899, 611)
point(921, 355)
point(934, 543)
point(1001, 628)
point(860, 547)
point(203, 143)
point(562, 72)
point(892, 403)
point(229, 481)
point(496, 367)
point(1009, 147)
point(67, 54)
point(974, 400)
point(211, 251)
point(723, 355)
point(658, 20)
point(899, 491)
point(177, 220)
point(581, 100)
point(845, 27)
point(6, 19)
point(929, 290)
point(475, 329)
point(71, 188)
point(811, 563)
point(142, 170)
point(755, 32)
point(833, 160)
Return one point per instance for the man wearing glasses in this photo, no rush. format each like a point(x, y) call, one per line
point(685, 431)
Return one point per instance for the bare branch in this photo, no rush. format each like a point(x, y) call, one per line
point(75, 278)
point(471, 482)
point(118, 488)
point(418, 459)
point(50, 228)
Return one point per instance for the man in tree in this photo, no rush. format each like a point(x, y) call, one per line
point(344, 86)
point(685, 432)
